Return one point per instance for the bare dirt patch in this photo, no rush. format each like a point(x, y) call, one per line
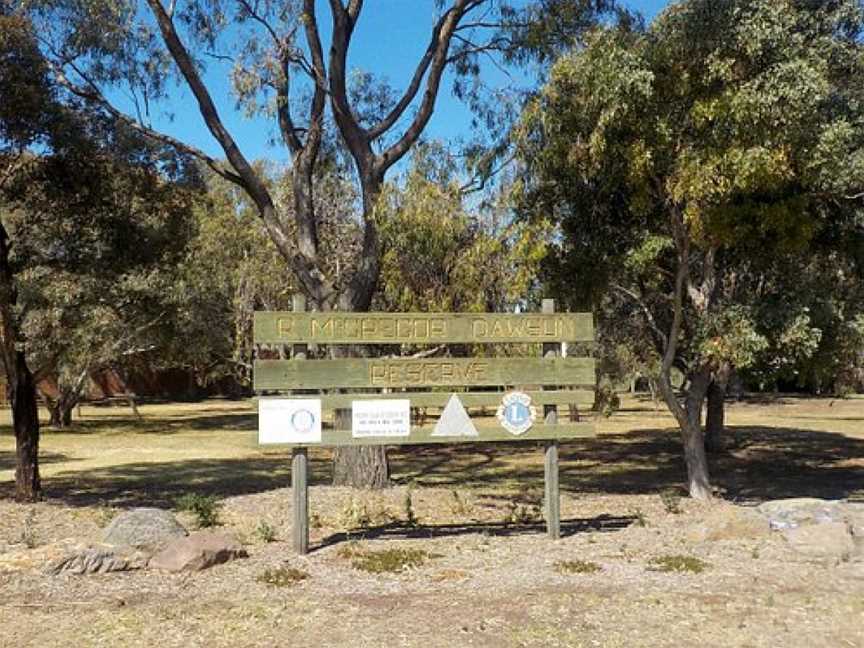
point(489, 576)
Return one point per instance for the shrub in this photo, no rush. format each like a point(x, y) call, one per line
point(205, 508)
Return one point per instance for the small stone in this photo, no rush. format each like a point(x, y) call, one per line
point(829, 540)
point(150, 528)
point(198, 551)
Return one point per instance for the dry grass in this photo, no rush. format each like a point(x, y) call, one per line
point(496, 580)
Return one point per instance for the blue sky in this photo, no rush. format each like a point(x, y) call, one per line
point(389, 40)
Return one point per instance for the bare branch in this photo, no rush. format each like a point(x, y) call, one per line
point(343, 26)
point(649, 316)
point(420, 71)
point(91, 93)
point(254, 15)
point(253, 185)
point(433, 82)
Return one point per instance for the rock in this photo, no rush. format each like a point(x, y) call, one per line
point(828, 540)
point(198, 551)
point(99, 559)
point(149, 528)
point(730, 523)
point(792, 513)
point(739, 524)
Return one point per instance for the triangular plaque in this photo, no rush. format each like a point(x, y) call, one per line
point(454, 421)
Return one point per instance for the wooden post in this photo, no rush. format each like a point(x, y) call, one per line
point(300, 465)
point(551, 494)
point(300, 495)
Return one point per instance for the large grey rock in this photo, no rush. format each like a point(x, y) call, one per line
point(827, 541)
point(99, 559)
point(198, 551)
point(792, 513)
point(728, 522)
point(149, 528)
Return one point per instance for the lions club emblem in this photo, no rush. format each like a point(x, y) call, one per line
point(516, 413)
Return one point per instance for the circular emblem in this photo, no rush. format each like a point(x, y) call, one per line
point(516, 413)
point(303, 421)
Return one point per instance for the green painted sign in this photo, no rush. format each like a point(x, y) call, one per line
point(439, 372)
point(420, 328)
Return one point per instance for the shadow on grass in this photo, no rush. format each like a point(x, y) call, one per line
point(242, 421)
point(160, 484)
point(769, 463)
point(399, 531)
point(7, 459)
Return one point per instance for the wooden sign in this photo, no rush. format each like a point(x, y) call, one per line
point(420, 328)
point(439, 372)
point(451, 385)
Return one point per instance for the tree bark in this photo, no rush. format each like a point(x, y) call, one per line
point(21, 384)
point(715, 434)
point(361, 467)
point(358, 467)
point(60, 413)
point(25, 420)
point(698, 480)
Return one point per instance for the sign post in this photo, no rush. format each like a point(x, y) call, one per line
point(372, 398)
point(300, 464)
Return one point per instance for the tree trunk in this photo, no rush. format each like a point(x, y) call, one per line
point(20, 383)
point(25, 420)
point(60, 412)
point(362, 467)
point(698, 481)
point(715, 434)
point(689, 420)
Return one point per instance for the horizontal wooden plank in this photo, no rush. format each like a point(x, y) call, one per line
point(485, 434)
point(581, 397)
point(420, 328)
point(399, 373)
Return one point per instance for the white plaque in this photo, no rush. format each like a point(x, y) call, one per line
point(380, 418)
point(289, 420)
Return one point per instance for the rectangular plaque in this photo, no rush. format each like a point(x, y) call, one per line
point(380, 418)
point(428, 372)
point(289, 420)
point(421, 328)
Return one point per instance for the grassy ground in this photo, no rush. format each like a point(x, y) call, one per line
point(786, 448)
point(480, 571)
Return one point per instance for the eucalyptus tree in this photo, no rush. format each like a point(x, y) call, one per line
point(673, 156)
point(29, 116)
point(97, 264)
point(275, 56)
point(441, 253)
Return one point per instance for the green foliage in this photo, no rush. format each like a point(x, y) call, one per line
point(440, 256)
point(577, 567)
point(363, 513)
point(606, 400)
point(408, 507)
point(386, 561)
point(677, 563)
point(281, 576)
point(265, 531)
point(727, 137)
point(205, 508)
point(671, 500)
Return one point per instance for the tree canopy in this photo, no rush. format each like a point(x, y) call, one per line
point(681, 160)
